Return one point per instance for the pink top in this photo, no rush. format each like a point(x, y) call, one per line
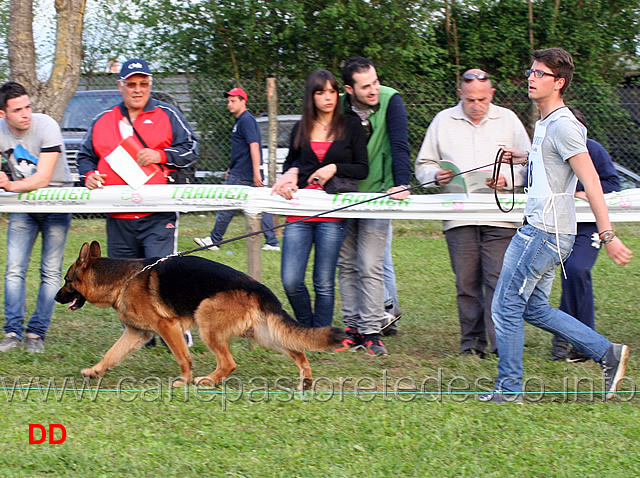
point(320, 149)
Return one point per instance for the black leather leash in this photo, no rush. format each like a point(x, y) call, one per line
point(494, 180)
point(409, 188)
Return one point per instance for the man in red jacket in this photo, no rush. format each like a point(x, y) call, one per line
point(163, 139)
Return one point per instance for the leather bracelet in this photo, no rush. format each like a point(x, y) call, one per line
point(606, 236)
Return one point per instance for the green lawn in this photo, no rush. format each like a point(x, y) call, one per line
point(412, 413)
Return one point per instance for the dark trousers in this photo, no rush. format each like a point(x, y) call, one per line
point(155, 235)
point(476, 254)
point(577, 290)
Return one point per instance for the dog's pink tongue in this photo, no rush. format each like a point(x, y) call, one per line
point(72, 305)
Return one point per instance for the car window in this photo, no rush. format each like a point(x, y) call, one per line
point(84, 106)
point(284, 132)
point(82, 109)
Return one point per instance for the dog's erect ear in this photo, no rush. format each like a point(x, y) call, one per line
point(95, 249)
point(84, 253)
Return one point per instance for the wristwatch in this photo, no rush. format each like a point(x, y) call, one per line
point(606, 236)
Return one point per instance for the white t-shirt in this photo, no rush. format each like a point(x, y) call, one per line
point(552, 182)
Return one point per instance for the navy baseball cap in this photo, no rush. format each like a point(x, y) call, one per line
point(134, 67)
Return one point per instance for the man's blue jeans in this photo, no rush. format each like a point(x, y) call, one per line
point(22, 233)
point(522, 294)
point(327, 237)
point(223, 218)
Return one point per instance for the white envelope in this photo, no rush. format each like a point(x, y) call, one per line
point(126, 167)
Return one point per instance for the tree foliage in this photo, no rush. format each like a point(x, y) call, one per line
point(498, 36)
point(255, 38)
point(417, 38)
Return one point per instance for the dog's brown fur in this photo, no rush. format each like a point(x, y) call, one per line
point(170, 296)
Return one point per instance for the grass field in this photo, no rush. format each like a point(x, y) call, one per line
point(412, 413)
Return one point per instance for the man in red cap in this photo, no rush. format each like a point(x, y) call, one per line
point(244, 169)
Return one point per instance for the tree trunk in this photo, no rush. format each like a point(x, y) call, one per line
point(50, 97)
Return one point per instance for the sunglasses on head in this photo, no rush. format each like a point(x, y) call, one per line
point(482, 76)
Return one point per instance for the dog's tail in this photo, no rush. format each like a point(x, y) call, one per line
point(286, 333)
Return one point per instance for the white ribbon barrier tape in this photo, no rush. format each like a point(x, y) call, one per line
point(623, 206)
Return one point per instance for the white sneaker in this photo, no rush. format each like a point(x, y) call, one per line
point(268, 247)
point(188, 338)
point(205, 242)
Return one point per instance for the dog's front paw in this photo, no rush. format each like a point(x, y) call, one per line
point(92, 372)
point(205, 382)
point(305, 384)
point(180, 382)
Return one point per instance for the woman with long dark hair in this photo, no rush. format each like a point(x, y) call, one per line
point(324, 144)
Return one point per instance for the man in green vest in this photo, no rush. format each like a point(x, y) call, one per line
point(360, 265)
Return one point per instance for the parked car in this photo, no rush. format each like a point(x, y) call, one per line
point(628, 179)
point(83, 108)
point(285, 125)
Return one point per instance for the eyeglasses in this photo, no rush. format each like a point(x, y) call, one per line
point(538, 73)
point(132, 85)
point(482, 76)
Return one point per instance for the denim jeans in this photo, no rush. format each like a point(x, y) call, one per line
point(327, 237)
point(390, 288)
point(361, 274)
point(21, 236)
point(223, 218)
point(522, 294)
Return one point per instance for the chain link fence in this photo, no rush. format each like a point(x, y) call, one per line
point(613, 113)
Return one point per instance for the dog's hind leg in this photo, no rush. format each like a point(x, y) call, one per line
point(225, 363)
point(171, 333)
point(130, 341)
point(304, 368)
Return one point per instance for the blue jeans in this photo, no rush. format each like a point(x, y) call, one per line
point(223, 218)
point(390, 289)
point(22, 233)
point(522, 294)
point(327, 236)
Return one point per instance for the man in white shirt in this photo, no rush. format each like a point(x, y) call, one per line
point(469, 136)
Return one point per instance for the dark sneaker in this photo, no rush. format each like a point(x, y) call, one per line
point(352, 342)
point(475, 352)
point(34, 344)
point(575, 356)
point(373, 345)
point(500, 397)
point(10, 341)
point(393, 330)
point(613, 366)
point(559, 348)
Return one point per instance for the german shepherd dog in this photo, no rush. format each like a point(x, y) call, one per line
point(169, 296)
